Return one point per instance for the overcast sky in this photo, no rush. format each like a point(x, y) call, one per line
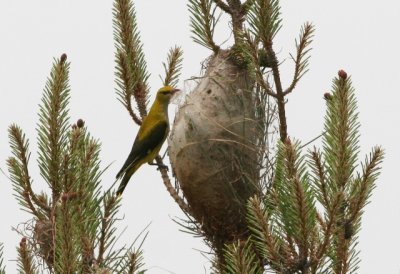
point(361, 37)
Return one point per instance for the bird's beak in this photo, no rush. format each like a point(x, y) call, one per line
point(175, 90)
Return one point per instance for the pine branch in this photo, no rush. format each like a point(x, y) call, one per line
point(297, 212)
point(172, 72)
point(280, 97)
point(340, 152)
point(323, 194)
point(67, 228)
point(363, 185)
point(302, 56)
point(220, 4)
point(131, 66)
point(130, 261)
point(350, 194)
point(240, 258)
point(172, 191)
point(202, 22)
point(135, 261)
point(247, 5)
point(84, 170)
point(234, 4)
point(106, 237)
point(25, 262)
point(341, 139)
point(2, 266)
point(18, 168)
point(173, 66)
point(267, 245)
point(66, 246)
point(237, 12)
point(125, 85)
point(252, 55)
point(264, 20)
point(53, 125)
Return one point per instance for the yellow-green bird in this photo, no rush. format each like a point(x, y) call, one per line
point(151, 136)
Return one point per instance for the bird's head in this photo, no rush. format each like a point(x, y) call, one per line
point(165, 94)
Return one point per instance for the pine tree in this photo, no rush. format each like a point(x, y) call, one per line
point(261, 203)
point(72, 226)
point(310, 220)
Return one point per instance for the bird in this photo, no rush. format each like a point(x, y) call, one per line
point(150, 137)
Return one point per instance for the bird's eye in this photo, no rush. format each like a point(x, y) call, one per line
point(164, 92)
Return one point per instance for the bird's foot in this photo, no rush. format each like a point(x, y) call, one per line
point(162, 166)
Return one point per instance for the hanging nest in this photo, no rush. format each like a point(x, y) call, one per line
point(214, 149)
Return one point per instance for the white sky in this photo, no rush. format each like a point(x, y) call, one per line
point(361, 37)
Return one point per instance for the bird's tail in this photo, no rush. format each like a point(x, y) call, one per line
point(128, 174)
point(120, 173)
point(121, 189)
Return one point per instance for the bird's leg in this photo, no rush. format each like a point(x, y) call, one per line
point(159, 166)
point(165, 153)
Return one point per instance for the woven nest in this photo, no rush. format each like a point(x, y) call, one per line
point(213, 149)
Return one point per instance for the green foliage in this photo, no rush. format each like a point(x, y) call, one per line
point(26, 262)
point(54, 123)
point(173, 67)
point(73, 230)
point(202, 22)
point(302, 58)
point(286, 226)
point(78, 215)
point(264, 20)
point(241, 259)
point(341, 137)
point(346, 191)
point(131, 69)
point(296, 208)
point(308, 222)
point(18, 168)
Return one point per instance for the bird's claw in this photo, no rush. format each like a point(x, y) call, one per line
point(162, 167)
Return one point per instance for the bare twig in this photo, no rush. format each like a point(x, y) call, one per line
point(167, 182)
point(280, 96)
point(313, 140)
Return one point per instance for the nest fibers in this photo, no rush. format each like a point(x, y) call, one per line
point(213, 149)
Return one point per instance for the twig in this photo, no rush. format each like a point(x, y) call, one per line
point(302, 57)
point(170, 188)
point(316, 138)
point(280, 96)
point(222, 6)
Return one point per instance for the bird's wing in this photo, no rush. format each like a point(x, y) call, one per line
point(144, 145)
